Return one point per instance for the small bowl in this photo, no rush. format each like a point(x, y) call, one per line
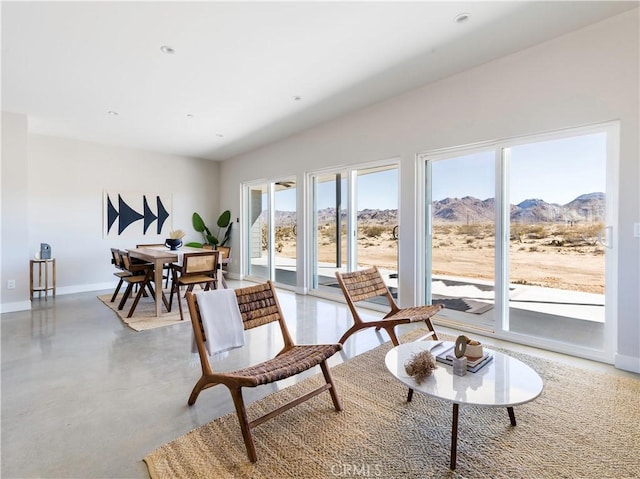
point(473, 351)
point(173, 243)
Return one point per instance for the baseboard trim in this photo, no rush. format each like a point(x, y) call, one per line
point(13, 307)
point(627, 363)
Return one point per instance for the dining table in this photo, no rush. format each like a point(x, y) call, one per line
point(159, 256)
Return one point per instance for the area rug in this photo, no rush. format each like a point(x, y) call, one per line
point(584, 425)
point(144, 317)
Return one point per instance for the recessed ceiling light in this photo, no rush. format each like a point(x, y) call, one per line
point(462, 17)
point(167, 49)
point(112, 113)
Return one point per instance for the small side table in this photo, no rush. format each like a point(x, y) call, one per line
point(40, 286)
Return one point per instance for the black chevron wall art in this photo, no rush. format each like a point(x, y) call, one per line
point(131, 214)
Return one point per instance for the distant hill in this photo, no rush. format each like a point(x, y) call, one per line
point(587, 207)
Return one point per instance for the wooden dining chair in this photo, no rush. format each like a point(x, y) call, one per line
point(367, 284)
point(166, 269)
point(141, 275)
point(259, 306)
point(223, 261)
point(120, 273)
point(196, 269)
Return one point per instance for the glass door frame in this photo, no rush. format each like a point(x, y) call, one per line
point(350, 173)
point(501, 149)
point(271, 253)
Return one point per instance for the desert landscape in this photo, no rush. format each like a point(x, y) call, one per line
point(554, 246)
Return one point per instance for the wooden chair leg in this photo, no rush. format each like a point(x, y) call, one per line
point(180, 304)
point(135, 301)
point(392, 334)
point(202, 382)
point(236, 394)
point(174, 289)
point(151, 290)
point(434, 336)
point(113, 298)
point(127, 292)
point(329, 379)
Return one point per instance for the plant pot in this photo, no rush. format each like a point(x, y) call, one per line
point(173, 244)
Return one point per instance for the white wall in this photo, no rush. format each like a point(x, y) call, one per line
point(589, 76)
point(61, 183)
point(14, 256)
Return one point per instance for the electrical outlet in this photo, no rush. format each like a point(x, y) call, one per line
point(636, 230)
point(11, 284)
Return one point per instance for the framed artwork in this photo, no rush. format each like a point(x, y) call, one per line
point(135, 214)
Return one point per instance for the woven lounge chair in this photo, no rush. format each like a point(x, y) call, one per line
point(367, 284)
point(259, 306)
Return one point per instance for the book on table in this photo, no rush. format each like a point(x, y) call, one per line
point(445, 354)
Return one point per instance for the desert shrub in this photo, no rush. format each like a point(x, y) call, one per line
point(470, 240)
point(470, 230)
point(263, 237)
point(373, 231)
point(533, 249)
point(284, 232)
point(535, 231)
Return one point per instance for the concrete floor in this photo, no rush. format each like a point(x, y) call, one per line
point(85, 396)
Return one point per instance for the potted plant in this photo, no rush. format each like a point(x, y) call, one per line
point(224, 230)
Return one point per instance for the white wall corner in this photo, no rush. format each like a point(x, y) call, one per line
point(628, 363)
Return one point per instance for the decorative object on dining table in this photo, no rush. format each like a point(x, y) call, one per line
point(224, 224)
point(421, 365)
point(174, 241)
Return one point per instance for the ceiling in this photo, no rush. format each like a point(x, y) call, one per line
point(245, 74)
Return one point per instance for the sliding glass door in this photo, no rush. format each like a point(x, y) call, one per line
point(285, 231)
point(355, 224)
point(520, 238)
point(272, 231)
point(462, 221)
point(558, 242)
point(258, 240)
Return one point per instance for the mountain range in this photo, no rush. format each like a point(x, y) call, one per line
point(586, 207)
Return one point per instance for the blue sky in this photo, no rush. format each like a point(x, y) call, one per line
point(556, 171)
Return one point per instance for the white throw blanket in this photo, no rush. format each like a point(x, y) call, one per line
point(221, 322)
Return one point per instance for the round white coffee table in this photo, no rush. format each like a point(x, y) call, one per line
point(503, 382)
